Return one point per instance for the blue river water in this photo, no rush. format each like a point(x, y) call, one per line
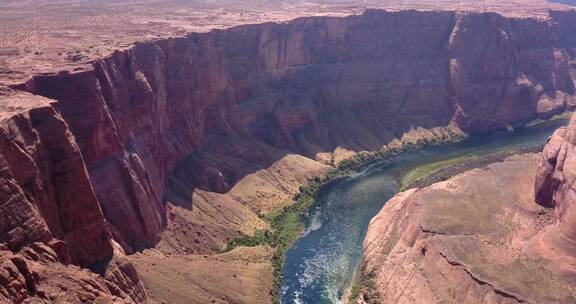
point(569, 2)
point(320, 265)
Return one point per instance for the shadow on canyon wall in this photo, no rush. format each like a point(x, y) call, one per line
point(358, 83)
point(217, 106)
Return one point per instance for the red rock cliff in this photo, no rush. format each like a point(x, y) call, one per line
point(308, 86)
point(554, 188)
point(116, 131)
point(50, 216)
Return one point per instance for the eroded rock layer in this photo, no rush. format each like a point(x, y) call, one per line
point(466, 240)
point(555, 188)
point(50, 216)
point(85, 157)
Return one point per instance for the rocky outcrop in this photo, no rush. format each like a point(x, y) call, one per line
point(51, 218)
point(465, 240)
point(37, 275)
point(184, 105)
point(48, 191)
point(554, 188)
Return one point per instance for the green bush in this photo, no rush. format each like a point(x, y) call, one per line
point(260, 237)
point(287, 223)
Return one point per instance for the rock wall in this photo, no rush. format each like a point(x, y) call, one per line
point(91, 163)
point(308, 86)
point(554, 188)
point(50, 216)
point(465, 240)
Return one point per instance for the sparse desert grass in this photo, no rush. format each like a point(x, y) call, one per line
point(426, 170)
point(288, 223)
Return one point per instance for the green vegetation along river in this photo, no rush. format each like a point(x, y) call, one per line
point(321, 264)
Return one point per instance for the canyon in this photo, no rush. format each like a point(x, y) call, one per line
point(127, 166)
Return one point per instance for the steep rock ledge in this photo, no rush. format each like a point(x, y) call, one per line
point(466, 240)
point(554, 188)
point(51, 219)
point(310, 87)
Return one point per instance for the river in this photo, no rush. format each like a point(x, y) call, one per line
point(320, 265)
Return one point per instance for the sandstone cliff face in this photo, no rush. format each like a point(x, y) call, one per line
point(554, 188)
point(50, 214)
point(511, 74)
point(311, 86)
point(41, 163)
point(466, 240)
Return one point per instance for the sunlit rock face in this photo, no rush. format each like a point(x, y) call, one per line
point(89, 163)
point(554, 189)
point(479, 237)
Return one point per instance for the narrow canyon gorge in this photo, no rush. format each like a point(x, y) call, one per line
point(124, 177)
